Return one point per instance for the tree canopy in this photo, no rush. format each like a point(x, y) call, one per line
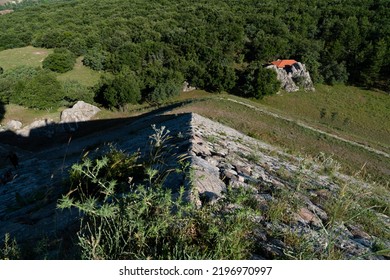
point(206, 41)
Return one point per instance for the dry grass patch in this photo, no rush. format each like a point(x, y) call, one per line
point(27, 116)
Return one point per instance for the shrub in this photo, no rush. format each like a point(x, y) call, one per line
point(10, 250)
point(95, 59)
point(118, 91)
point(74, 91)
point(43, 91)
point(60, 61)
point(163, 92)
point(257, 81)
point(10, 78)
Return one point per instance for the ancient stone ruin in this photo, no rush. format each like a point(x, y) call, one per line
point(219, 158)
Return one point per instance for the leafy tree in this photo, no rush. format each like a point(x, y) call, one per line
point(60, 61)
point(219, 77)
point(74, 91)
point(95, 59)
point(163, 92)
point(371, 73)
point(42, 91)
point(118, 91)
point(257, 81)
point(21, 73)
point(2, 110)
point(10, 80)
point(335, 73)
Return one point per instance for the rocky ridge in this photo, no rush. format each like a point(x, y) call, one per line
point(291, 192)
point(295, 77)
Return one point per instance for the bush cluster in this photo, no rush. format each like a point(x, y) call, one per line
point(60, 61)
point(40, 89)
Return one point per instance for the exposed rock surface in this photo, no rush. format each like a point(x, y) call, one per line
point(219, 157)
point(14, 125)
point(294, 77)
point(80, 112)
point(187, 87)
point(46, 128)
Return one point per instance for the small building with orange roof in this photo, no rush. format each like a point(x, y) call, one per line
point(283, 63)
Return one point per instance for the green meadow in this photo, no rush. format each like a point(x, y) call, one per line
point(31, 56)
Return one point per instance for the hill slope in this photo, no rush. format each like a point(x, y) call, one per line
point(307, 209)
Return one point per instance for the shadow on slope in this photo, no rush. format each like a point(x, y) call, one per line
point(2, 111)
point(28, 202)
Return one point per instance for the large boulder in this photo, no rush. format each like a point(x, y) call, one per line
point(187, 87)
point(80, 112)
point(286, 81)
point(302, 76)
point(14, 125)
point(294, 77)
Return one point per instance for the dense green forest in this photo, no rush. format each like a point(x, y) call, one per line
point(149, 47)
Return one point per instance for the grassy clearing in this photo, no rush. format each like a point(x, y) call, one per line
point(357, 114)
point(27, 56)
point(30, 56)
point(26, 116)
point(82, 74)
point(195, 94)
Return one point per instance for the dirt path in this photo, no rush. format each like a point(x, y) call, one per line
point(301, 124)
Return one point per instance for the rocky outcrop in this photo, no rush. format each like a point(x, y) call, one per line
point(43, 127)
point(80, 112)
point(187, 88)
point(293, 77)
point(14, 125)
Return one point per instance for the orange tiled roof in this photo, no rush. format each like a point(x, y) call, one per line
point(284, 62)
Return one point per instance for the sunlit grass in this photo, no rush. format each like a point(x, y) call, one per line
point(27, 56)
point(287, 135)
point(26, 115)
point(362, 115)
point(82, 74)
point(33, 57)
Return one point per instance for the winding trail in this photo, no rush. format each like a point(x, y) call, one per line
point(301, 124)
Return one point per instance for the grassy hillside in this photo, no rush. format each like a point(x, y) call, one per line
point(355, 113)
point(296, 138)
